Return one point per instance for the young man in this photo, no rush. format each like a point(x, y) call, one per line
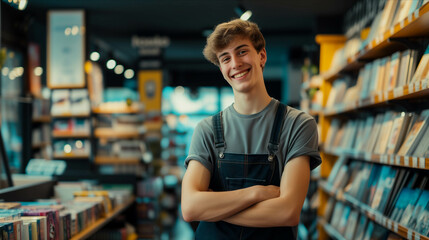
point(248, 167)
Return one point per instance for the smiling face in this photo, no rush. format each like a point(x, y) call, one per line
point(241, 65)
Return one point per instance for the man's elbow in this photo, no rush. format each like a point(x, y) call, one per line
point(188, 214)
point(291, 218)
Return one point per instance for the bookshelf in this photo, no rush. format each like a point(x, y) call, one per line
point(100, 223)
point(40, 128)
point(119, 137)
point(350, 114)
point(71, 127)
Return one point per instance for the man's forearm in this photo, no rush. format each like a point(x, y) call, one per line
point(215, 206)
point(275, 212)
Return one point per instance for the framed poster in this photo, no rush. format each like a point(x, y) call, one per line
point(150, 86)
point(66, 49)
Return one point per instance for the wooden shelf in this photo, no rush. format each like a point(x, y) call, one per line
point(371, 213)
point(108, 160)
point(414, 25)
point(40, 145)
point(113, 133)
point(330, 229)
point(71, 115)
point(123, 109)
point(386, 159)
point(68, 134)
point(72, 156)
point(42, 119)
point(412, 91)
point(89, 231)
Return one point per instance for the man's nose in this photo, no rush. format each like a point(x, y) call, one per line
point(236, 62)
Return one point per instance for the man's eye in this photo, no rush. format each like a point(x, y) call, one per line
point(242, 52)
point(225, 59)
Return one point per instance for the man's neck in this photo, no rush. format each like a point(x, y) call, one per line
point(251, 103)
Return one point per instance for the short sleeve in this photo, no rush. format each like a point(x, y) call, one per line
point(303, 140)
point(200, 148)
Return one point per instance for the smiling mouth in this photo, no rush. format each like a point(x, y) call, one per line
point(239, 75)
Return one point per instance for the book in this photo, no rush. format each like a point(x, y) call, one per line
point(403, 10)
point(422, 146)
point(393, 71)
point(327, 214)
point(415, 134)
point(41, 224)
point(369, 231)
point(384, 186)
point(375, 130)
point(409, 209)
point(342, 223)
point(422, 67)
point(360, 228)
point(387, 16)
point(336, 215)
point(400, 182)
point(386, 128)
point(352, 224)
point(420, 206)
point(397, 134)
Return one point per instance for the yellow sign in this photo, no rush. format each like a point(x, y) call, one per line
point(150, 86)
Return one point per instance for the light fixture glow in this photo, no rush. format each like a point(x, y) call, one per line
point(67, 31)
point(246, 15)
point(38, 71)
point(94, 56)
point(22, 4)
point(79, 144)
point(129, 73)
point(243, 13)
point(119, 69)
point(111, 64)
point(19, 71)
point(5, 71)
point(67, 148)
point(75, 30)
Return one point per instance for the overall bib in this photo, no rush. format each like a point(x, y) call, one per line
point(236, 171)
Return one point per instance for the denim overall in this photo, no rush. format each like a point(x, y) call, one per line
point(235, 171)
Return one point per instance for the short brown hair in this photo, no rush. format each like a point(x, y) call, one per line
point(225, 32)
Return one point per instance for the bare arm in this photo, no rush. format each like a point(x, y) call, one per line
point(284, 210)
point(200, 204)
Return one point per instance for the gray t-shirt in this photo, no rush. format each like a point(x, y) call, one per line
point(250, 134)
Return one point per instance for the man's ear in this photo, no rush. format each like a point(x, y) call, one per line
point(263, 57)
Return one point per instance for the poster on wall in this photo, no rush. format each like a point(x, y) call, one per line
point(66, 49)
point(150, 86)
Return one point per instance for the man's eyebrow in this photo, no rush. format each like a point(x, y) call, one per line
point(225, 53)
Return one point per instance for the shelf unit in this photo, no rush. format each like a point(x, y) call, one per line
point(45, 189)
point(100, 223)
point(111, 133)
point(414, 26)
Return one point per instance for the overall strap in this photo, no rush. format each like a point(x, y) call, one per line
point(273, 145)
point(218, 134)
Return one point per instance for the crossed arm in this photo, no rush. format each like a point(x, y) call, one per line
point(256, 206)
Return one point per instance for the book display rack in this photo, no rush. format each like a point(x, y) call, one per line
point(374, 127)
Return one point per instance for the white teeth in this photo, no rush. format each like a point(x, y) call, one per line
point(240, 74)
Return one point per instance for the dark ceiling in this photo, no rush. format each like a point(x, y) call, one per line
point(286, 24)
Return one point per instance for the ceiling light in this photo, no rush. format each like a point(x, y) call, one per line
point(243, 13)
point(38, 71)
point(111, 64)
point(129, 73)
point(22, 4)
point(119, 69)
point(95, 56)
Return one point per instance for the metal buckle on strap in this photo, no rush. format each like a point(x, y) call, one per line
point(221, 155)
point(270, 158)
